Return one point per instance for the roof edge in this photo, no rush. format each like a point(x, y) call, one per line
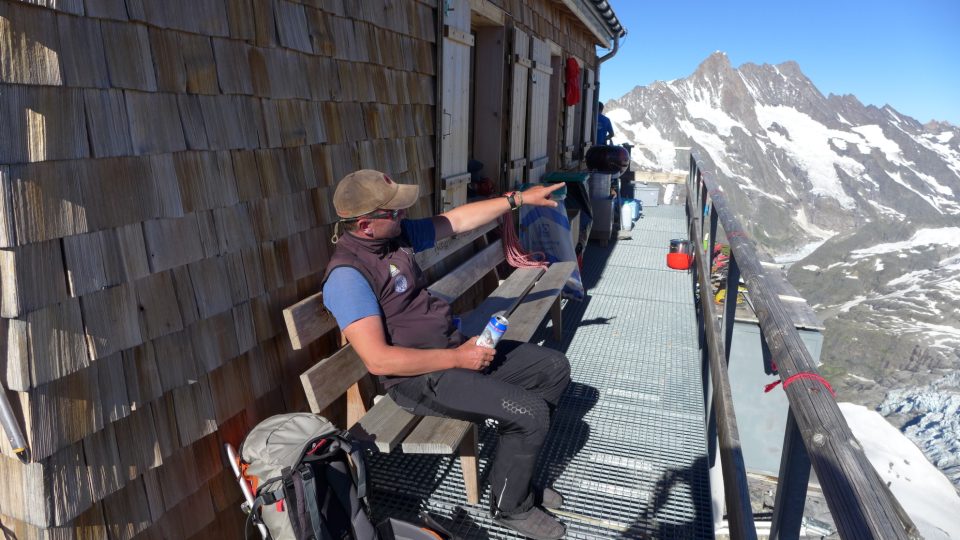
point(598, 17)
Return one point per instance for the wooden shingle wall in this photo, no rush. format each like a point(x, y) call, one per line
point(166, 173)
point(550, 20)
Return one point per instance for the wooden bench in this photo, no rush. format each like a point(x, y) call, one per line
point(528, 295)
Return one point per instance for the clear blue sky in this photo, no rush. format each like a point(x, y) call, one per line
point(905, 53)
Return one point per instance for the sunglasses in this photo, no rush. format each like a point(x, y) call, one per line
point(386, 214)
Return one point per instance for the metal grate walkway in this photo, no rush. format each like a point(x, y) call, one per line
point(627, 448)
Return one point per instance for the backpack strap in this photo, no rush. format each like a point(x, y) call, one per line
point(310, 497)
point(294, 503)
point(340, 482)
point(359, 470)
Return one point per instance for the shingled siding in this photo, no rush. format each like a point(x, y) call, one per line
point(550, 20)
point(166, 173)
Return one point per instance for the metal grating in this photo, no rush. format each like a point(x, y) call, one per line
point(627, 448)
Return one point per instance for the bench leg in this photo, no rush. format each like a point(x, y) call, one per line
point(356, 407)
point(468, 462)
point(555, 314)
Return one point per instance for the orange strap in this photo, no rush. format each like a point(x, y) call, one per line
point(251, 480)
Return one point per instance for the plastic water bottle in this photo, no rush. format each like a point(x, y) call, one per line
point(493, 332)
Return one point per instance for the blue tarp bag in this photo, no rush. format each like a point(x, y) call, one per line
point(548, 230)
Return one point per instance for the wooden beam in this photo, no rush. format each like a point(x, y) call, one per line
point(307, 320)
point(455, 283)
point(428, 258)
point(469, 452)
point(457, 35)
point(523, 61)
point(385, 425)
point(331, 377)
point(537, 303)
point(505, 299)
point(436, 435)
point(485, 12)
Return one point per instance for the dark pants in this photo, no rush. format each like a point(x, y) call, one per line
point(520, 390)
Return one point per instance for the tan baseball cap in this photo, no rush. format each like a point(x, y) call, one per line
point(365, 191)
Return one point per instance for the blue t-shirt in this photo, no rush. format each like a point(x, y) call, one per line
point(604, 128)
point(347, 294)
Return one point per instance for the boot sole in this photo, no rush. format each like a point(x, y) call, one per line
point(508, 525)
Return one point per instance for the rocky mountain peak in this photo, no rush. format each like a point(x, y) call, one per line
point(717, 62)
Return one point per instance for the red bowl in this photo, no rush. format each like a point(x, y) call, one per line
point(679, 261)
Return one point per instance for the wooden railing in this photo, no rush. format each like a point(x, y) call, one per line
point(816, 432)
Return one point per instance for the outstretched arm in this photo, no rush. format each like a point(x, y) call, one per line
point(367, 337)
point(470, 216)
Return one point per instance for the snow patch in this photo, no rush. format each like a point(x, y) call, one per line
point(949, 155)
point(808, 144)
point(847, 306)
point(799, 253)
point(716, 116)
point(947, 236)
point(873, 135)
point(895, 176)
point(886, 210)
point(923, 491)
point(648, 140)
point(714, 146)
point(856, 377)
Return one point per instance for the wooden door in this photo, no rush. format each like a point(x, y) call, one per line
point(516, 155)
point(455, 103)
point(589, 94)
point(538, 109)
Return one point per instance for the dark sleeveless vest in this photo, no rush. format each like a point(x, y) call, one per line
point(412, 317)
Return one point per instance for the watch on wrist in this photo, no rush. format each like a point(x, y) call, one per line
point(512, 199)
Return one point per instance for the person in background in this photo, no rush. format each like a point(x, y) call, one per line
point(604, 127)
point(404, 335)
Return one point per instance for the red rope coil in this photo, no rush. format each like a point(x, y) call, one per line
point(512, 251)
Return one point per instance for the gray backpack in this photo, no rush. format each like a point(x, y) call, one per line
point(308, 482)
point(311, 482)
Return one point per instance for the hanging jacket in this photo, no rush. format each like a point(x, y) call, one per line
point(572, 87)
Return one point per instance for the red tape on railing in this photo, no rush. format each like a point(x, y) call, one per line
point(802, 375)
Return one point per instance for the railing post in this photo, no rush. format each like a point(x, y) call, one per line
point(792, 486)
point(703, 205)
point(768, 367)
point(730, 304)
point(714, 217)
point(695, 232)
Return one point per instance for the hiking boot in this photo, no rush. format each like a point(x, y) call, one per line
point(547, 497)
point(534, 523)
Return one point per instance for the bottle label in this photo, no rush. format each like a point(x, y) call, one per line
point(493, 332)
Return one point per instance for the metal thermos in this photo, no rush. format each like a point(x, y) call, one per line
point(678, 245)
point(493, 332)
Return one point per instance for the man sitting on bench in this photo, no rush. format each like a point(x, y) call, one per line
point(377, 293)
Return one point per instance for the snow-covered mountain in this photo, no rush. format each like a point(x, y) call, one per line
point(811, 165)
point(864, 201)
